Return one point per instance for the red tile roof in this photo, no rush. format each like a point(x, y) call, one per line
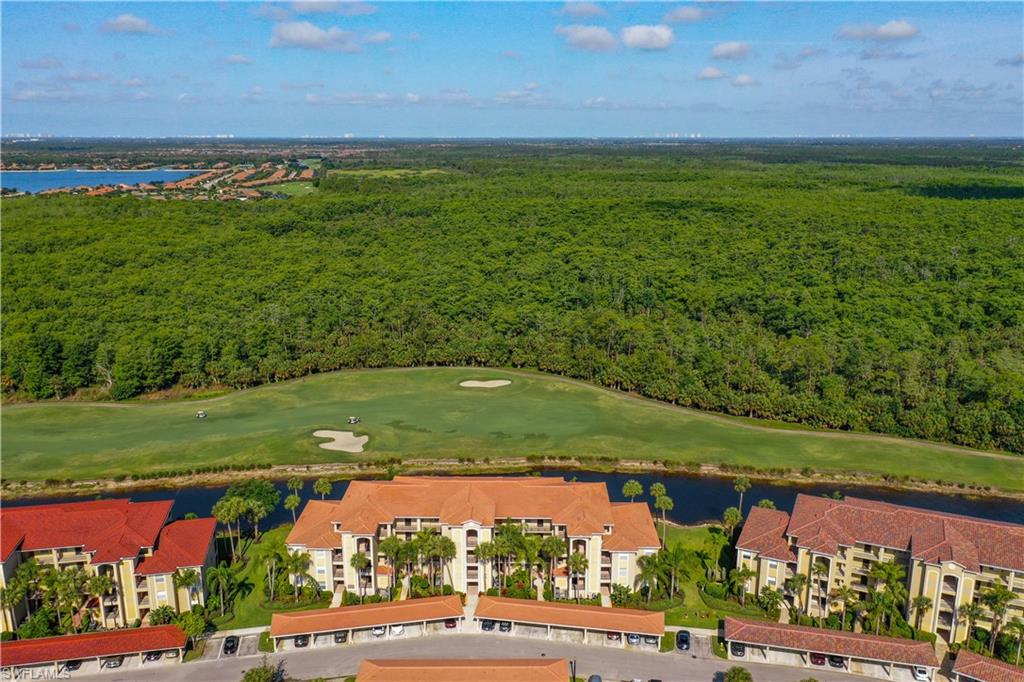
point(634, 528)
point(315, 529)
point(91, 645)
point(365, 616)
point(584, 508)
point(764, 532)
point(984, 669)
point(181, 544)
point(111, 529)
point(492, 670)
point(830, 642)
point(822, 524)
point(571, 615)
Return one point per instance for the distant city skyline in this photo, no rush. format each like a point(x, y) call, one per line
point(491, 70)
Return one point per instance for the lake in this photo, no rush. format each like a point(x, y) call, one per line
point(37, 181)
point(697, 499)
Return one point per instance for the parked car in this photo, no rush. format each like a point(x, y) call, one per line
point(921, 674)
point(450, 624)
point(114, 662)
point(737, 649)
point(487, 625)
point(683, 640)
point(72, 666)
point(505, 626)
point(152, 656)
point(301, 641)
point(836, 661)
point(594, 678)
point(230, 645)
point(818, 659)
point(650, 639)
point(633, 638)
point(171, 653)
point(378, 631)
point(615, 636)
point(397, 629)
point(340, 637)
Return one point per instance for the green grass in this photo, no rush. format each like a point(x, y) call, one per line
point(386, 172)
point(424, 413)
point(196, 652)
point(294, 189)
point(248, 611)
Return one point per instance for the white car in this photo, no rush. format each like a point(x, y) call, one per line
point(397, 629)
point(378, 631)
point(921, 674)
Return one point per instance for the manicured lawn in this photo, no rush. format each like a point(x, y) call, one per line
point(249, 610)
point(295, 189)
point(424, 413)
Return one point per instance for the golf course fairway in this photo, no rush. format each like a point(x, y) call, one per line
point(425, 413)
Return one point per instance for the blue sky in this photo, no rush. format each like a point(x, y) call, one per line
point(526, 69)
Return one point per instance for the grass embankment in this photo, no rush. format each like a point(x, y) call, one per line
point(249, 609)
point(698, 610)
point(424, 413)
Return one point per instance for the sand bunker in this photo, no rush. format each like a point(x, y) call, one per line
point(346, 441)
point(493, 383)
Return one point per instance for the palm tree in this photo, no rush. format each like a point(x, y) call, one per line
point(796, 585)
point(632, 488)
point(665, 504)
point(222, 579)
point(651, 571)
point(11, 596)
point(225, 510)
point(738, 578)
point(844, 596)
point(485, 553)
point(770, 598)
point(552, 548)
point(730, 519)
point(100, 585)
point(273, 553)
point(1016, 627)
point(531, 554)
point(577, 563)
point(322, 487)
point(920, 604)
point(256, 513)
point(446, 553)
point(996, 598)
point(295, 484)
point(27, 576)
point(360, 562)
point(675, 560)
point(426, 546)
point(741, 485)
point(969, 613)
point(391, 548)
point(297, 565)
point(658, 490)
point(186, 579)
point(766, 504)
point(820, 570)
point(291, 503)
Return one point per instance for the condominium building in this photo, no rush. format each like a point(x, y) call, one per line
point(468, 510)
point(948, 558)
point(133, 542)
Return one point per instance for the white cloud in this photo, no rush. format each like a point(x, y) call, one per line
point(46, 94)
point(273, 12)
point(348, 8)
point(596, 103)
point(412, 98)
point(133, 82)
point(237, 59)
point(512, 54)
point(710, 73)
point(131, 24)
point(731, 50)
point(186, 98)
point(643, 37)
point(301, 86)
point(378, 38)
point(786, 62)
point(687, 15)
point(897, 29)
point(1016, 60)
point(41, 63)
point(744, 81)
point(82, 77)
point(582, 10)
point(255, 95)
point(302, 34)
point(359, 99)
point(589, 38)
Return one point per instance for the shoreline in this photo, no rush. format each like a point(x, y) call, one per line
point(451, 467)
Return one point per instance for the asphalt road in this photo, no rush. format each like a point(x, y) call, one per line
point(338, 661)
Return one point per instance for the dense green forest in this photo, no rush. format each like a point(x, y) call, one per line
point(872, 288)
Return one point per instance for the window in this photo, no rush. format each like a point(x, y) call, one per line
point(771, 580)
point(321, 569)
point(746, 555)
point(773, 565)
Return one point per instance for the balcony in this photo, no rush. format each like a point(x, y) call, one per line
point(338, 557)
point(471, 558)
point(947, 604)
point(144, 602)
point(472, 541)
point(141, 585)
point(339, 574)
point(72, 558)
point(406, 526)
point(606, 576)
point(472, 574)
point(606, 559)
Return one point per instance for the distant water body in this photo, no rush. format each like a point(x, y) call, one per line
point(38, 181)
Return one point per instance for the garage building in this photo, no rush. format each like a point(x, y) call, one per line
point(416, 616)
point(972, 667)
point(887, 658)
point(572, 622)
point(492, 670)
point(50, 656)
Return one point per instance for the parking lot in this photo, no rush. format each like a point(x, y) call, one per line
point(248, 645)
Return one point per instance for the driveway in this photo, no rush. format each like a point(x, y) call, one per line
point(612, 664)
